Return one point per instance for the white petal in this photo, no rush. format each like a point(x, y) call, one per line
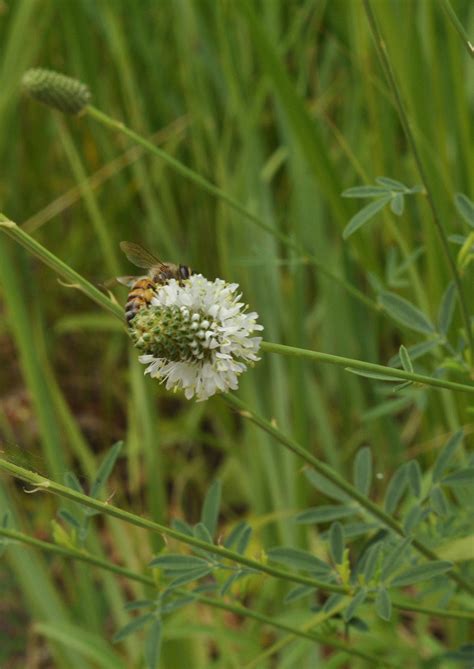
point(223, 341)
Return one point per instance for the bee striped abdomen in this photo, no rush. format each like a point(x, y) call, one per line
point(144, 287)
point(140, 296)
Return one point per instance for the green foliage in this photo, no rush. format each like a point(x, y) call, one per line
point(6, 523)
point(445, 456)
point(383, 605)
point(396, 488)
point(388, 191)
point(133, 626)
point(365, 214)
point(235, 128)
point(172, 563)
point(299, 559)
point(336, 542)
point(210, 508)
point(405, 359)
point(446, 309)
point(354, 605)
point(153, 645)
point(325, 512)
point(363, 470)
point(402, 311)
point(239, 537)
point(465, 208)
point(421, 573)
point(79, 519)
point(105, 470)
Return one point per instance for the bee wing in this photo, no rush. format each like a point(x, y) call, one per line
point(139, 256)
point(126, 280)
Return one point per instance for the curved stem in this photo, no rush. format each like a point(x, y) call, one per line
point(87, 557)
point(217, 192)
point(370, 367)
point(43, 484)
point(208, 601)
point(78, 281)
point(390, 75)
point(57, 265)
point(341, 483)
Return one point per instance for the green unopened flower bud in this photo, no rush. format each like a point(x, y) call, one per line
point(56, 90)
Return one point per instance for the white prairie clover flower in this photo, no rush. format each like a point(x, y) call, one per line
point(196, 336)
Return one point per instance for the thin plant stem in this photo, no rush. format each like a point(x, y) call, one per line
point(96, 561)
point(46, 256)
point(74, 278)
point(79, 282)
point(370, 367)
point(458, 26)
point(236, 609)
point(41, 483)
point(217, 192)
point(315, 621)
point(76, 554)
point(390, 74)
point(338, 481)
point(104, 238)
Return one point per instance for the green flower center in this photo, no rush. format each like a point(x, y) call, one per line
point(172, 333)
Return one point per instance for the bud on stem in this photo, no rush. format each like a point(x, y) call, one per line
point(56, 90)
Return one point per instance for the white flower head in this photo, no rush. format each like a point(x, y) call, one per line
point(196, 336)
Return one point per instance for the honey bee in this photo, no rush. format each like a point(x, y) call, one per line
point(144, 287)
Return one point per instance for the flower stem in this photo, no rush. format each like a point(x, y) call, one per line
point(217, 192)
point(338, 481)
point(88, 558)
point(390, 75)
point(78, 281)
point(315, 621)
point(41, 483)
point(370, 367)
point(60, 267)
point(76, 554)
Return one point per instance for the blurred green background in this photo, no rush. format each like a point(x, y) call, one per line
point(283, 108)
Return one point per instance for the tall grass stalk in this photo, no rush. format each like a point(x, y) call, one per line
point(281, 107)
point(390, 74)
point(458, 26)
point(174, 131)
point(224, 197)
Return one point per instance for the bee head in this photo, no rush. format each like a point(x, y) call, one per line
point(184, 272)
